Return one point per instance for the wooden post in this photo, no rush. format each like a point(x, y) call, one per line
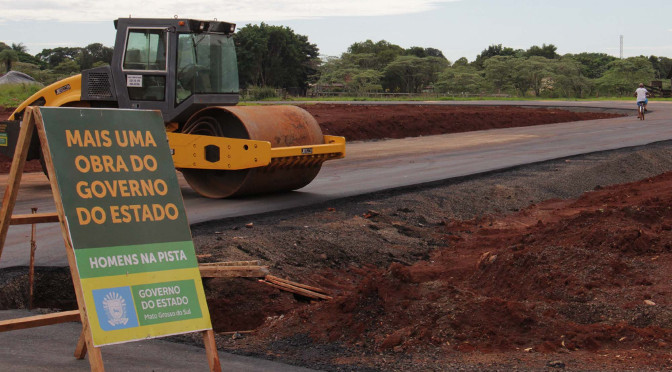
point(31, 268)
point(38, 320)
point(211, 351)
point(15, 173)
point(80, 350)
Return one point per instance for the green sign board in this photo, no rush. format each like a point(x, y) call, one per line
point(127, 223)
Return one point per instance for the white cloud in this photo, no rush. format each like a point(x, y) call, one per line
point(233, 11)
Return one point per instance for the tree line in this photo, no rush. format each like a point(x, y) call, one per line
point(277, 57)
point(54, 64)
point(537, 71)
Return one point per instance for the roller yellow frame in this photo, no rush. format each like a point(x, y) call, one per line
point(208, 152)
point(190, 151)
point(66, 92)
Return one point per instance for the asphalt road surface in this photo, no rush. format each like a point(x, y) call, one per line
point(51, 348)
point(379, 165)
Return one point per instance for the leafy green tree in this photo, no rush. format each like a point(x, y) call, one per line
point(461, 62)
point(410, 74)
point(537, 75)
point(22, 52)
point(67, 67)
point(93, 53)
point(348, 72)
point(433, 52)
point(424, 52)
point(493, 51)
point(54, 57)
point(365, 81)
point(623, 75)
point(8, 56)
point(498, 73)
point(382, 51)
point(546, 51)
point(416, 51)
point(27, 58)
point(593, 65)
point(19, 48)
point(530, 73)
point(662, 66)
point(460, 78)
point(275, 56)
point(330, 67)
point(369, 66)
point(568, 80)
point(665, 67)
point(361, 60)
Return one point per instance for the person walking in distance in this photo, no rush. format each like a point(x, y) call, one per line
point(642, 97)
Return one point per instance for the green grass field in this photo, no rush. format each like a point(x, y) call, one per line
point(11, 95)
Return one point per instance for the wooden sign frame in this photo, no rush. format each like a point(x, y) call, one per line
point(33, 120)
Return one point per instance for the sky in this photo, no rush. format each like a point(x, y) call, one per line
point(459, 28)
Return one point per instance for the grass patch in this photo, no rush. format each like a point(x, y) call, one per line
point(12, 95)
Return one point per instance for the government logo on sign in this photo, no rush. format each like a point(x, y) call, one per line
point(115, 309)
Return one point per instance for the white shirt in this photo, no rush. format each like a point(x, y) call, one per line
point(641, 94)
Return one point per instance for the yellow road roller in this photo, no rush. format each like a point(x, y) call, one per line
point(187, 69)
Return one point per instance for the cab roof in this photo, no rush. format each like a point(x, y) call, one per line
point(178, 24)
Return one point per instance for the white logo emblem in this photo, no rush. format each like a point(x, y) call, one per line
point(115, 309)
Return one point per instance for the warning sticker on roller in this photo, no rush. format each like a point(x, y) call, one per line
point(134, 81)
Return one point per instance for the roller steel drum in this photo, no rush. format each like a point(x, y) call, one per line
point(280, 125)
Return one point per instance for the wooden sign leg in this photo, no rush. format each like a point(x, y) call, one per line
point(15, 173)
point(211, 351)
point(80, 350)
point(95, 356)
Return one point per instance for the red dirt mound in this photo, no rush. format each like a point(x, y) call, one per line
point(366, 122)
point(589, 274)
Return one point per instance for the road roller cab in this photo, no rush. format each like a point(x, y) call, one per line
point(177, 66)
point(187, 69)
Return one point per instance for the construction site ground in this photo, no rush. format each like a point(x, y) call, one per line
point(561, 264)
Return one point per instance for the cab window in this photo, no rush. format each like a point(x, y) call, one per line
point(145, 64)
point(145, 50)
point(206, 63)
